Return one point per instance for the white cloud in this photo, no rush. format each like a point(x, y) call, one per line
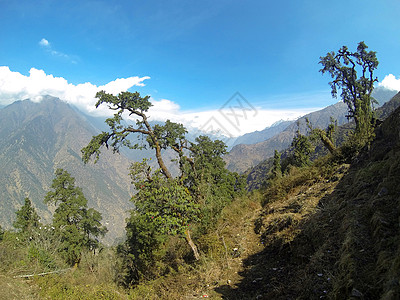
point(390, 82)
point(15, 86)
point(48, 47)
point(233, 124)
point(164, 110)
point(227, 122)
point(45, 43)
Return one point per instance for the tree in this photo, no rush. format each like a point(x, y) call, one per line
point(326, 136)
point(135, 105)
point(141, 249)
point(209, 182)
point(276, 171)
point(353, 73)
point(77, 226)
point(164, 202)
point(27, 218)
point(302, 150)
point(203, 180)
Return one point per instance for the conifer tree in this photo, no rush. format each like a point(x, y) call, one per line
point(276, 171)
point(27, 218)
point(302, 150)
point(77, 226)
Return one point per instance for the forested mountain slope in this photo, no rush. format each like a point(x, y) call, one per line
point(243, 157)
point(330, 230)
point(38, 138)
point(258, 175)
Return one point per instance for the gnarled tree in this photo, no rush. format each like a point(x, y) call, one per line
point(202, 179)
point(353, 73)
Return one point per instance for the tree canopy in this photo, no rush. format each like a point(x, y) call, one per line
point(353, 74)
point(27, 217)
point(302, 149)
point(133, 105)
point(164, 205)
point(78, 226)
point(276, 171)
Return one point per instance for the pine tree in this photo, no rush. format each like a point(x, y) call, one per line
point(276, 171)
point(27, 218)
point(77, 226)
point(302, 150)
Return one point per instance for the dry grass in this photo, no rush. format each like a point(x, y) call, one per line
point(223, 251)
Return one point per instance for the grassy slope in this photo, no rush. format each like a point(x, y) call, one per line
point(330, 231)
point(334, 236)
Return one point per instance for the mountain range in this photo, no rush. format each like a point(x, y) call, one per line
point(243, 157)
point(263, 135)
point(258, 175)
point(253, 148)
point(38, 138)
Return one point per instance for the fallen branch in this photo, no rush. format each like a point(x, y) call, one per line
point(41, 274)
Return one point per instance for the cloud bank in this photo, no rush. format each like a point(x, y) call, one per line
point(235, 123)
point(15, 86)
point(390, 82)
point(233, 119)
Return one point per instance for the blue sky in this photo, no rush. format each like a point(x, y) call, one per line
point(197, 54)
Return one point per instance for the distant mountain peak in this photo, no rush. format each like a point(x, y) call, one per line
point(38, 137)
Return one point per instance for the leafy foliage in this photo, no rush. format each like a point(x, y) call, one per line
point(134, 105)
point(164, 202)
point(210, 183)
point(77, 226)
point(302, 150)
point(27, 218)
point(353, 73)
point(165, 206)
point(276, 171)
point(325, 136)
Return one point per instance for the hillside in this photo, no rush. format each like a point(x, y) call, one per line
point(333, 234)
point(263, 135)
point(242, 157)
point(38, 138)
point(257, 175)
point(389, 107)
point(382, 95)
point(327, 231)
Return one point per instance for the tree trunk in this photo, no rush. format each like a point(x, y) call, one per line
point(161, 162)
point(328, 143)
point(192, 245)
point(157, 147)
